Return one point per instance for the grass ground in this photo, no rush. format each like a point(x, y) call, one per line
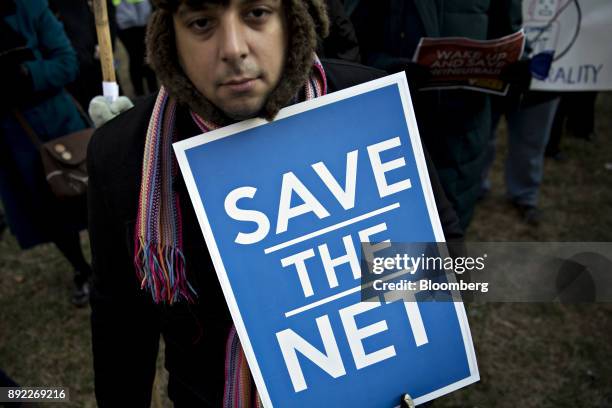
point(547, 355)
point(529, 355)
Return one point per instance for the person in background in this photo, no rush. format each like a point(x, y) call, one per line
point(530, 118)
point(454, 124)
point(80, 26)
point(132, 17)
point(36, 62)
point(342, 40)
point(576, 114)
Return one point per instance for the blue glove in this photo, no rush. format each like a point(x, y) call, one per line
point(541, 63)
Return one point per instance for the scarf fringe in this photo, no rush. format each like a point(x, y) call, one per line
point(161, 270)
point(159, 260)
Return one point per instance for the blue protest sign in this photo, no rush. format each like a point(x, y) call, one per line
point(283, 207)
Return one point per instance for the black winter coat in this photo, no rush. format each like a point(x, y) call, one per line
point(126, 325)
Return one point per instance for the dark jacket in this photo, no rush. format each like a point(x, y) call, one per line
point(454, 125)
point(125, 323)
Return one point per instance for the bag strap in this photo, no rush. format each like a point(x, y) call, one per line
point(84, 114)
point(32, 134)
point(28, 129)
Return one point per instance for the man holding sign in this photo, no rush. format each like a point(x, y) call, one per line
point(219, 62)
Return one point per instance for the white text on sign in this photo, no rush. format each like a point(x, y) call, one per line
point(319, 259)
point(291, 185)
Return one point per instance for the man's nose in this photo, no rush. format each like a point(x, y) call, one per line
point(233, 45)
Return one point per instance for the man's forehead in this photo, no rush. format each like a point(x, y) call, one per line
point(198, 4)
point(185, 5)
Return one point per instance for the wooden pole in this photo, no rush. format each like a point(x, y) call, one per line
point(109, 84)
point(156, 401)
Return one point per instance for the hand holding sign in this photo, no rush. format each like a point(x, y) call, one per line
point(517, 74)
point(464, 63)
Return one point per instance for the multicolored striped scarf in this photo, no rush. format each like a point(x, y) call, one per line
point(159, 260)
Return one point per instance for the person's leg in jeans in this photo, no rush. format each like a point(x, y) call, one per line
point(528, 129)
point(497, 110)
point(553, 147)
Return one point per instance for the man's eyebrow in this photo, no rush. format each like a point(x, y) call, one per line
point(249, 2)
point(190, 6)
point(199, 5)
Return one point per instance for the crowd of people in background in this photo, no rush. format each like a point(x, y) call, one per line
point(50, 61)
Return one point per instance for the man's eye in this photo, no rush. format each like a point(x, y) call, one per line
point(200, 24)
point(258, 13)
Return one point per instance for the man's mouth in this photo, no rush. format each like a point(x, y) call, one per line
point(240, 84)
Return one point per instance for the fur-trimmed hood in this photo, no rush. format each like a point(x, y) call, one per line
point(306, 19)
